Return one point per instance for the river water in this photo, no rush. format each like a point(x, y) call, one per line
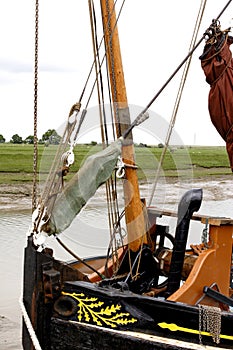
point(88, 236)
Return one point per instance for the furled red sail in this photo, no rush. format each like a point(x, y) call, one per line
point(217, 64)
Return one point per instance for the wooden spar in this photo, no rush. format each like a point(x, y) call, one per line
point(133, 206)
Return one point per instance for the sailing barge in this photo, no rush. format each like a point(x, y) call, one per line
point(119, 301)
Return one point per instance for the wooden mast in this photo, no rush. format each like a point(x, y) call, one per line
point(133, 206)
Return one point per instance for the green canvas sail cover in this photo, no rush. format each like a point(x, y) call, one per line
point(95, 171)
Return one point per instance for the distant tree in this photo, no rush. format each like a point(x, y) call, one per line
point(29, 140)
point(93, 143)
point(51, 137)
point(160, 145)
point(16, 139)
point(2, 139)
point(47, 134)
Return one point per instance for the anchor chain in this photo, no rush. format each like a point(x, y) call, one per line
point(35, 141)
point(210, 321)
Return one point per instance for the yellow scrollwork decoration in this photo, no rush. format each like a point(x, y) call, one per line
point(91, 309)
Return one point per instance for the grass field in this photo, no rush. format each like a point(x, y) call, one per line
point(16, 161)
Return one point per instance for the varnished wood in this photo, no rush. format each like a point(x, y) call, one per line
point(211, 220)
point(209, 267)
point(133, 205)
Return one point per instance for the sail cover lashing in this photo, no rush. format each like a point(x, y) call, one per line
point(217, 64)
point(96, 170)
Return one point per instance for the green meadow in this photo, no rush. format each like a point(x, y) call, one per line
point(16, 161)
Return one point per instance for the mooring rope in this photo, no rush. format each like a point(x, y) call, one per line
point(29, 326)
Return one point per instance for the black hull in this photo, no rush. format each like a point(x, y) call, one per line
point(77, 336)
point(145, 321)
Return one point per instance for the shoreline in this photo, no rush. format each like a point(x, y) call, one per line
point(18, 197)
point(15, 197)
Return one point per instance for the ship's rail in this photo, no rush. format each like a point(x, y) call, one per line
point(212, 220)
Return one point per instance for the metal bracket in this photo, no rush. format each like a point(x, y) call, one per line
point(51, 282)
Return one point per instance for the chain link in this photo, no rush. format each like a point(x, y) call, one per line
point(35, 154)
point(210, 321)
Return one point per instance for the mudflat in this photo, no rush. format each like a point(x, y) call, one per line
point(10, 337)
point(15, 196)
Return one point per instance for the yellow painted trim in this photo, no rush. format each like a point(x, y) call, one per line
point(92, 309)
point(173, 327)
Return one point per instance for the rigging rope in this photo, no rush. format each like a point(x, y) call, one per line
point(112, 203)
point(69, 129)
point(79, 259)
point(112, 200)
point(51, 191)
point(181, 64)
point(102, 61)
point(178, 97)
point(98, 73)
point(54, 182)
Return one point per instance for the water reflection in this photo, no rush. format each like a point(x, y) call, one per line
point(88, 235)
point(12, 242)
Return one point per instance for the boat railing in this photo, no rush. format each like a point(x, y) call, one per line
point(212, 220)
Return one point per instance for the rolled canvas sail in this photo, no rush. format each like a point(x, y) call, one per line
point(217, 64)
point(95, 171)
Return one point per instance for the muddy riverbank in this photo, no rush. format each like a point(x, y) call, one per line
point(15, 207)
point(15, 197)
point(10, 337)
point(19, 196)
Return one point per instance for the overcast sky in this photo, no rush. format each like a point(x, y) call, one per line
point(155, 37)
